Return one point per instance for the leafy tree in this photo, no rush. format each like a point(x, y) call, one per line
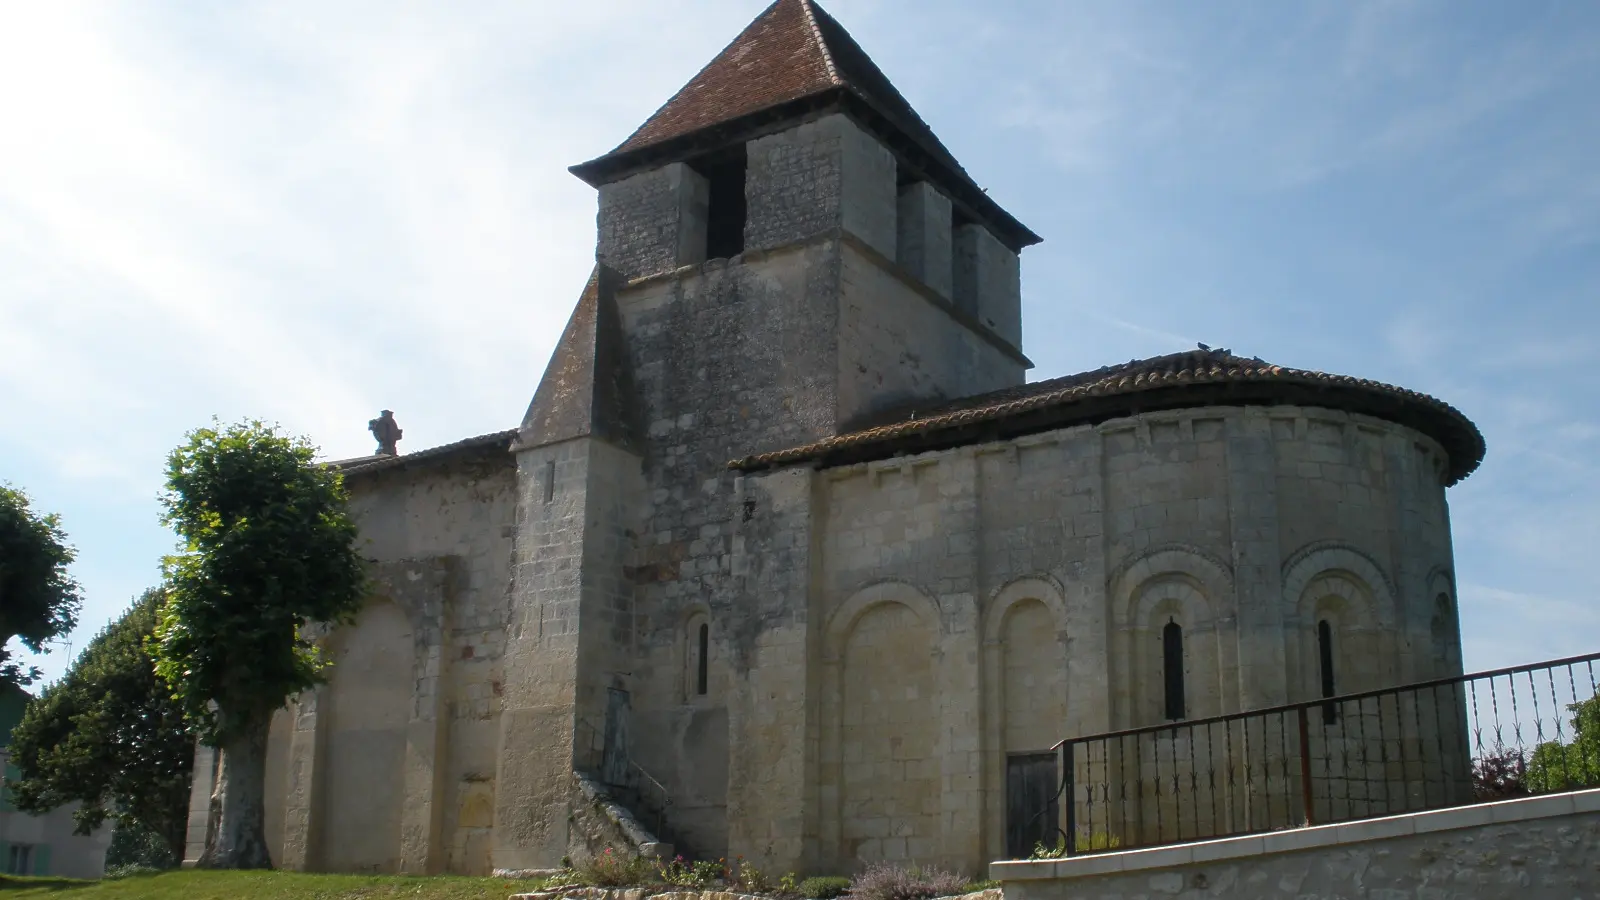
point(1557, 767)
point(268, 549)
point(109, 736)
point(38, 600)
point(135, 848)
point(1499, 774)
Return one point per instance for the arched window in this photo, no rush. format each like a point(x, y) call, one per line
point(1172, 665)
point(1330, 711)
point(702, 659)
point(696, 658)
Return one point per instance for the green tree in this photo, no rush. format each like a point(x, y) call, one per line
point(38, 600)
point(1559, 767)
point(268, 548)
point(110, 736)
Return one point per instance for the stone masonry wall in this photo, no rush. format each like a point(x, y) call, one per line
point(535, 751)
point(822, 175)
point(440, 538)
point(898, 346)
point(729, 359)
point(654, 221)
point(1113, 530)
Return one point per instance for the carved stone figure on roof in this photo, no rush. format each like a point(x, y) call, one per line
point(387, 431)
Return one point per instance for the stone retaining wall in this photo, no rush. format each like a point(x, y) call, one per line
point(663, 892)
point(1533, 848)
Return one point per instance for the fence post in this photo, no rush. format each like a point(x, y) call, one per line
point(1305, 767)
point(1069, 792)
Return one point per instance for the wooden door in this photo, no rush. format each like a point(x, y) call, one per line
point(1031, 803)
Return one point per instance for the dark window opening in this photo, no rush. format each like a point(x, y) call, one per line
point(1172, 664)
point(701, 663)
point(725, 202)
point(1330, 711)
point(549, 480)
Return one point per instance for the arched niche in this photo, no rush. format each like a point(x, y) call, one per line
point(367, 707)
point(1181, 585)
point(1024, 625)
point(1444, 625)
point(880, 771)
point(1344, 587)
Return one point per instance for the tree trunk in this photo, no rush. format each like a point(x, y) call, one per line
point(240, 841)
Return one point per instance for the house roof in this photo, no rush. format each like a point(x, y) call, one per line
point(494, 442)
point(585, 388)
point(1174, 381)
point(794, 60)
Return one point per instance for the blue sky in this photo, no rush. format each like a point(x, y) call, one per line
point(306, 212)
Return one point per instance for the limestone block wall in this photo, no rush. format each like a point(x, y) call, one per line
point(728, 358)
point(653, 221)
point(780, 347)
point(923, 241)
point(987, 281)
point(900, 343)
point(565, 589)
point(990, 600)
point(404, 735)
point(825, 174)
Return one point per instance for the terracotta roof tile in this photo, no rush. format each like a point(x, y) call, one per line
point(585, 389)
point(494, 441)
point(1177, 380)
point(777, 58)
point(794, 51)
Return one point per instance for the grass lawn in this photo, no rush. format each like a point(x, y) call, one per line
point(202, 885)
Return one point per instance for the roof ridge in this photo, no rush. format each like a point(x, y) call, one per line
point(822, 45)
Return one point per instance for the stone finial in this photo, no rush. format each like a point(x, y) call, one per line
point(387, 431)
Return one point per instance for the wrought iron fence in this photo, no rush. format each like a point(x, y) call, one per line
point(1427, 745)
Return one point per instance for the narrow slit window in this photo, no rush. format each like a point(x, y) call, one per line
point(1172, 664)
point(1330, 712)
point(702, 661)
point(549, 480)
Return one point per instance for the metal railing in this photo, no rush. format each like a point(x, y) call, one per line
point(1428, 745)
point(654, 801)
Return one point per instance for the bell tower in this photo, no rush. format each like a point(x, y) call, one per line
point(793, 137)
point(784, 252)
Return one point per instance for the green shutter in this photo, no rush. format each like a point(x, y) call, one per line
point(5, 858)
point(41, 859)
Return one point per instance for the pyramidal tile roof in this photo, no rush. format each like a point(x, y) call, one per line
point(793, 57)
point(792, 50)
point(585, 391)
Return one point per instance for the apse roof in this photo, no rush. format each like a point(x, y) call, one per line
point(1192, 378)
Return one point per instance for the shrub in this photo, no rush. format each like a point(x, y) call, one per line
point(748, 878)
point(1499, 774)
point(884, 881)
point(823, 887)
point(612, 869)
point(696, 876)
point(977, 886)
point(1086, 843)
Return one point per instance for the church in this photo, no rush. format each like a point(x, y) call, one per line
point(787, 559)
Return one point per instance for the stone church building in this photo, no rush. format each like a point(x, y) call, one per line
point(786, 558)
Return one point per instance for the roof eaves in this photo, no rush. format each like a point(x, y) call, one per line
point(435, 455)
point(1125, 386)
